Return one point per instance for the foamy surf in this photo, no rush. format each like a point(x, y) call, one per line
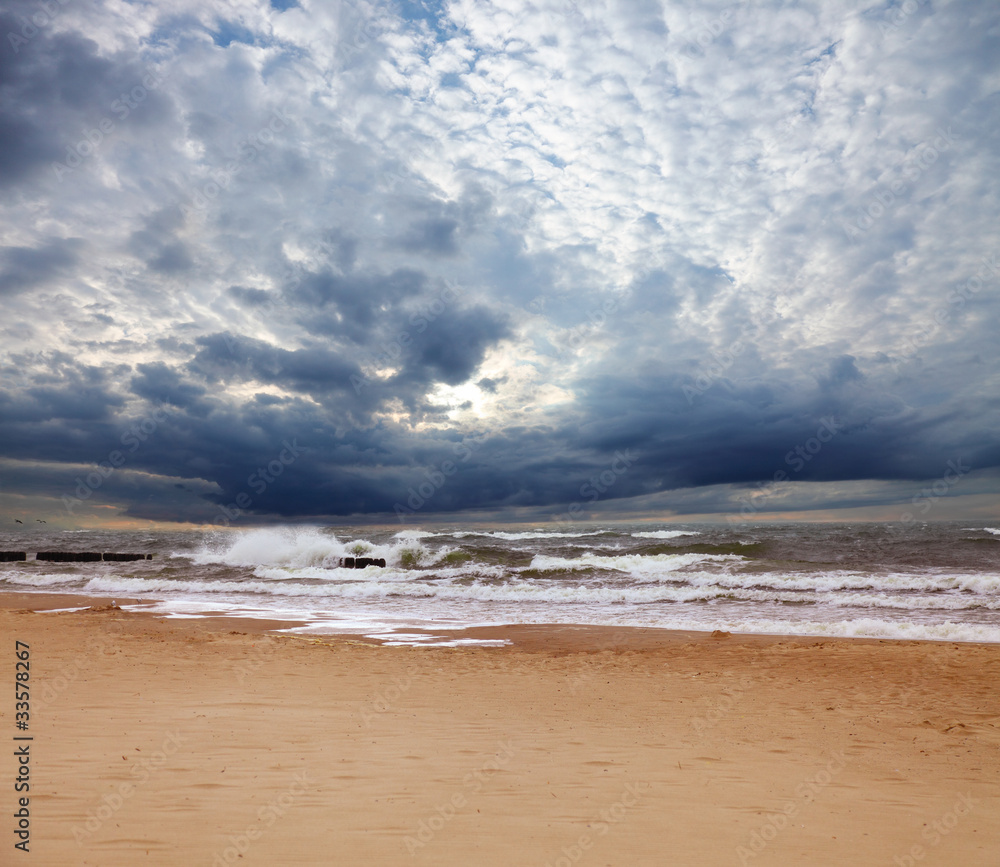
point(934, 581)
point(663, 534)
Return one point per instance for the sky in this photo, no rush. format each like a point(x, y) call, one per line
point(431, 261)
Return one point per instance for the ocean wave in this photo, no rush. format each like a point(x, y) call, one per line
point(637, 565)
point(866, 627)
point(520, 591)
point(41, 579)
point(527, 534)
point(829, 582)
point(416, 535)
point(534, 592)
point(307, 547)
point(664, 534)
point(391, 573)
point(293, 547)
point(675, 619)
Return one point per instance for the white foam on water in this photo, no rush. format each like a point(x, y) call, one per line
point(828, 582)
point(387, 627)
point(41, 579)
point(301, 548)
point(293, 574)
point(701, 588)
point(527, 534)
point(634, 564)
point(664, 534)
point(420, 639)
point(293, 547)
point(416, 535)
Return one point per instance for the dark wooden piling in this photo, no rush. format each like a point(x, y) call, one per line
point(70, 556)
point(361, 562)
point(81, 557)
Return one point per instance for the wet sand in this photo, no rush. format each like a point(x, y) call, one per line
point(214, 741)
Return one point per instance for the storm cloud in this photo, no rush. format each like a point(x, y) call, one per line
point(390, 261)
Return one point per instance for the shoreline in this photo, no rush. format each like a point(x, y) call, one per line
point(575, 635)
point(216, 741)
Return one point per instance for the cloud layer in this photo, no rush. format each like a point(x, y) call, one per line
point(452, 258)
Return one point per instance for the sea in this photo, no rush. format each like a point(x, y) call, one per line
point(936, 581)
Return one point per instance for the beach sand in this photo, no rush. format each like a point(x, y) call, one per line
point(213, 742)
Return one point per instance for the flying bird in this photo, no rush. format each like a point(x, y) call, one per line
point(17, 521)
point(40, 521)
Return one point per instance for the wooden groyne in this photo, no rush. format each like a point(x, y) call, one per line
point(73, 557)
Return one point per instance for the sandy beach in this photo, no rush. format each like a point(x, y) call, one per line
point(212, 741)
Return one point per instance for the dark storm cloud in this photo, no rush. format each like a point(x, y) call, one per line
point(158, 383)
point(396, 318)
point(449, 348)
point(24, 146)
point(251, 297)
point(433, 235)
point(429, 344)
point(358, 299)
point(490, 385)
point(438, 227)
point(157, 243)
point(67, 414)
point(231, 357)
point(24, 268)
point(519, 264)
point(160, 255)
point(55, 88)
